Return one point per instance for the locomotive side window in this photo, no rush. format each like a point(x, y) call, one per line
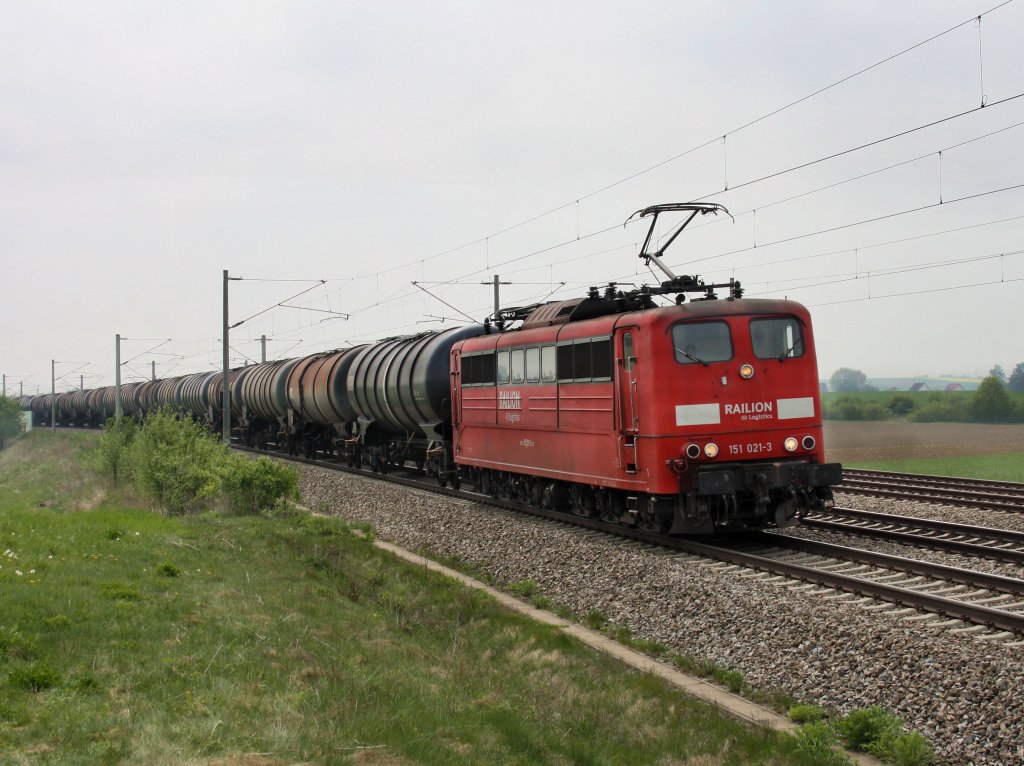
point(518, 365)
point(565, 362)
point(533, 364)
point(581, 364)
point(627, 350)
point(487, 369)
point(478, 370)
point(584, 360)
point(778, 338)
point(470, 370)
point(503, 368)
point(702, 342)
point(547, 365)
point(601, 359)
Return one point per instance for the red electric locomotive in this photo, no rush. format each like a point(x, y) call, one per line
point(683, 419)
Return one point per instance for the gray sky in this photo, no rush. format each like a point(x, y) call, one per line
point(145, 147)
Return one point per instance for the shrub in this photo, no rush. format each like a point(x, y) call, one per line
point(35, 677)
point(176, 463)
point(807, 713)
point(255, 485)
point(909, 750)
point(730, 679)
point(111, 456)
point(991, 403)
point(817, 742)
point(940, 409)
point(167, 569)
point(523, 588)
point(10, 419)
point(857, 408)
point(901, 405)
point(868, 727)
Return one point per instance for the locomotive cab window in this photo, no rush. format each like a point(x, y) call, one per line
point(777, 338)
point(702, 342)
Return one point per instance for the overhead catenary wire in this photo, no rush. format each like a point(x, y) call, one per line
point(485, 239)
point(576, 201)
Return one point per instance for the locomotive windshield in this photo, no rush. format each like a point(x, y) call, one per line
point(702, 342)
point(777, 338)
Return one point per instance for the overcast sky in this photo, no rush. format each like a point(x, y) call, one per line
point(145, 147)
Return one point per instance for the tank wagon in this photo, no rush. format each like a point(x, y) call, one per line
point(689, 418)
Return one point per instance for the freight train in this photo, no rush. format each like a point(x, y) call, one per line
point(692, 418)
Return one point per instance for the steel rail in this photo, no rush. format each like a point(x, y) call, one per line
point(951, 490)
point(996, 619)
point(1009, 555)
point(958, 575)
point(926, 495)
point(953, 481)
point(968, 530)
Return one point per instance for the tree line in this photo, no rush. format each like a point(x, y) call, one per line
point(848, 380)
point(993, 402)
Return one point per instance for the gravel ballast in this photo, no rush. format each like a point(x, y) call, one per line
point(961, 692)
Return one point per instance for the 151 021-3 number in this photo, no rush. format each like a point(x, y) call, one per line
point(751, 448)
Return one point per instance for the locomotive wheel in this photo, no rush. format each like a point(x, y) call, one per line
point(487, 485)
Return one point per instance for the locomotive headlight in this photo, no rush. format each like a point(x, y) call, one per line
point(747, 371)
point(711, 449)
point(790, 444)
point(692, 451)
point(809, 442)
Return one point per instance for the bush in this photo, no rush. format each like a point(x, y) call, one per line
point(807, 713)
point(176, 463)
point(11, 424)
point(856, 408)
point(901, 405)
point(817, 742)
point(991, 403)
point(867, 728)
point(111, 457)
point(523, 588)
point(908, 750)
point(255, 485)
point(36, 677)
point(940, 410)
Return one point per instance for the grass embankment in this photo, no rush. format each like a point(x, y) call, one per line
point(1005, 467)
point(131, 637)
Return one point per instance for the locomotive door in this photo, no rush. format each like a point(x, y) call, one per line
point(456, 393)
point(626, 396)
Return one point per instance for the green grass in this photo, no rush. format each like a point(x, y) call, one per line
point(1003, 467)
point(131, 637)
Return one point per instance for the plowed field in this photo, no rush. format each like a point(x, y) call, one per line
point(850, 442)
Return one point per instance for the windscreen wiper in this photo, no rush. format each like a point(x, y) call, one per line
point(692, 358)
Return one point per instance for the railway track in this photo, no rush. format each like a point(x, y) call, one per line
point(985, 542)
point(944, 596)
point(989, 495)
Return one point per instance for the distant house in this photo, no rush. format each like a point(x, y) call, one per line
point(923, 387)
point(823, 386)
point(954, 387)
